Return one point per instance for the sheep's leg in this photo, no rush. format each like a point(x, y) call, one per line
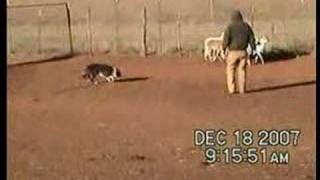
point(256, 58)
point(225, 55)
point(212, 56)
point(221, 58)
point(221, 55)
point(206, 54)
point(206, 58)
point(217, 54)
point(261, 58)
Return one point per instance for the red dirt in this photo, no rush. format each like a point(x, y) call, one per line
point(143, 128)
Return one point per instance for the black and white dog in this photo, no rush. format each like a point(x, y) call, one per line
point(92, 72)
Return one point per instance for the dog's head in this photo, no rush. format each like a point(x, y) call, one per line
point(86, 75)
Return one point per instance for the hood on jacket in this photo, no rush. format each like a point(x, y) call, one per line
point(236, 16)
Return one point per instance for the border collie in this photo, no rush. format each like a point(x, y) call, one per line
point(93, 72)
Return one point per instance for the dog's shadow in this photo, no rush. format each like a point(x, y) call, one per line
point(123, 80)
point(132, 79)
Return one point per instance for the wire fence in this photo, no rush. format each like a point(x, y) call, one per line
point(39, 31)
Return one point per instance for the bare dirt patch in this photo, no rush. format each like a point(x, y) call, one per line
point(142, 126)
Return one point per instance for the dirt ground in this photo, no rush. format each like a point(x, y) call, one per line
point(142, 126)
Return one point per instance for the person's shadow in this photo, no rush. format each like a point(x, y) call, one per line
point(278, 87)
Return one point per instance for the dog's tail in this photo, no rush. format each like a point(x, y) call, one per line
point(118, 72)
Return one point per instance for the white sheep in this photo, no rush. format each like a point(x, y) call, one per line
point(256, 54)
point(213, 48)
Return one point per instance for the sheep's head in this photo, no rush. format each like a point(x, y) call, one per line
point(263, 40)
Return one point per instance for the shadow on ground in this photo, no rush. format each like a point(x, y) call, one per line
point(88, 85)
point(279, 54)
point(50, 59)
point(131, 79)
point(285, 86)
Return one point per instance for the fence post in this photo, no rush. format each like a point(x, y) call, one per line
point(40, 31)
point(144, 33)
point(273, 29)
point(211, 9)
point(10, 40)
point(68, 11)
point(285, 31)
point(160, 40)
point(179, 46)
point(252, 12)
point(116, 26)
point(89, 32)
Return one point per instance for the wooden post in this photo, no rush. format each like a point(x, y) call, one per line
point(10, 41)
point(40, 31)
point(273, 29)
point(285, 31)
point(89, 32)
point(179, 46)
point(144, 33)
point(211, 8)
point(68, 11)
point(116, 26)
point(159, 27)
point(252, 11)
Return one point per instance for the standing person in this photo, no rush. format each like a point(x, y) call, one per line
point(237, 36)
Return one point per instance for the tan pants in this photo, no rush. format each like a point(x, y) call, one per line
point(236, 60)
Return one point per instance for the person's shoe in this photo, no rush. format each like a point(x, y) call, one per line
point(230, 94)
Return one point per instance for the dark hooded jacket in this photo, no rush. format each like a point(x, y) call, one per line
point(238, 34)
